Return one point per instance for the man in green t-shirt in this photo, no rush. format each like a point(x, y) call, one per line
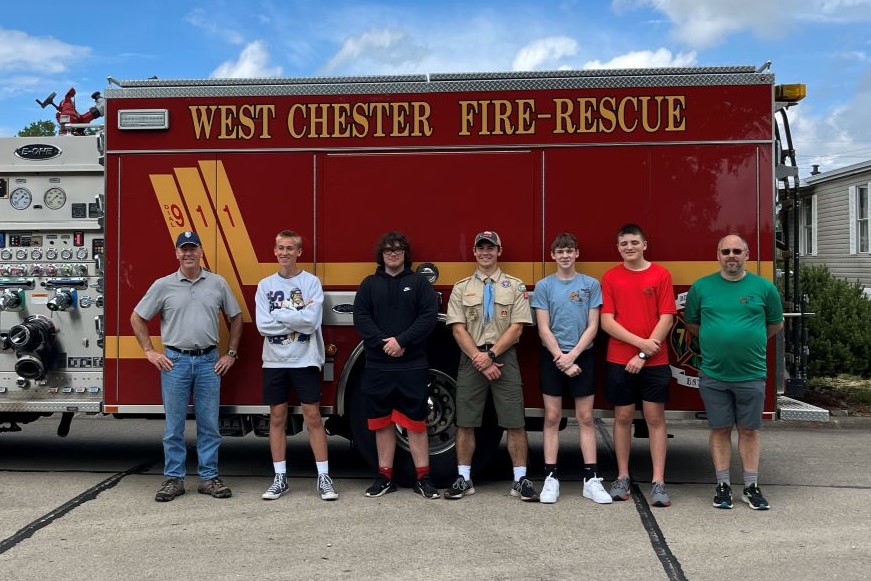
point(733, 313)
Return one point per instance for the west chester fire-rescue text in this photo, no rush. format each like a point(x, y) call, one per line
point(252, 121)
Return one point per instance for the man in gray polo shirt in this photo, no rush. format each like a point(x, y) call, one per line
point(189, 301)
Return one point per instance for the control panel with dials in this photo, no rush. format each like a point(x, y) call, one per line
point(51, 275)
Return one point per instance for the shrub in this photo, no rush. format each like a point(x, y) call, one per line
point(839, 334)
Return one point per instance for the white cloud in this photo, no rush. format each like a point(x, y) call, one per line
point(837, 138)
point(200, 19)
point(707, 23)
point(839, 10)
point(22, 52)
point(544, 53)
point(253, 62)
point(645, 59)
point(381, 48)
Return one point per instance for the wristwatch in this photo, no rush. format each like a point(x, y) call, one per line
point(642, 355)
point(491, 355)
point(232, 353)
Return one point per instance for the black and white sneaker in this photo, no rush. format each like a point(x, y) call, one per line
point(278, 488)
point(460, 488)
point(380, 487)
point(753, 497)
point(325, 487)
point(524, 489)
point(723, 496)
point(425, 488)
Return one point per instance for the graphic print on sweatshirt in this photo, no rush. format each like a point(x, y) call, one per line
point(278, 300)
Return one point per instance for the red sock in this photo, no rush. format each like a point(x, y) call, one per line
point(386, 472)
point(422, 471)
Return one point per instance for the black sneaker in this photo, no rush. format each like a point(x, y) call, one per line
point(753, 497)
point(524, 489)
point(723, 496)
point(460, 488)
point(380, 487)
point(425, 488)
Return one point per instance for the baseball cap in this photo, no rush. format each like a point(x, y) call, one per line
point(188, 237)
point(488, 236)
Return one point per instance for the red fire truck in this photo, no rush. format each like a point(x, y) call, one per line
point(688, 153)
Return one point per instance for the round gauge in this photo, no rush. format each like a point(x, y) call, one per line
point(55, 198)
point(20, 198)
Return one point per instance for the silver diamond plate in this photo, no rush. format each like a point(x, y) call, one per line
point(794, 410)
point(441, 82)
point(72, 405)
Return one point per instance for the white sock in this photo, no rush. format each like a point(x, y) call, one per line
point(519, 473)
point(280, 467)
point(465, 471)
point(323, 467)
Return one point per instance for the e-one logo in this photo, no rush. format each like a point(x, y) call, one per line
point(38, 151)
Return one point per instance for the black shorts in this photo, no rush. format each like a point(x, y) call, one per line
point(555, 382)
point(650, 384)
point(396, 397)
point(278, 381)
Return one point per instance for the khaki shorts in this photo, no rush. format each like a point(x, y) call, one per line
point(472, 388)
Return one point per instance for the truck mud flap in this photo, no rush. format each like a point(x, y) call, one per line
point(795, 410)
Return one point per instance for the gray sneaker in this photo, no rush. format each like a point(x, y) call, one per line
point(659, 495)
point(621, 489)
point(170, 488)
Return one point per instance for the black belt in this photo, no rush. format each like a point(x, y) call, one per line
point(485, 347)
point(194, 352)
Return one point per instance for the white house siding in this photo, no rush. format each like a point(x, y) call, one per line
point(833, 222)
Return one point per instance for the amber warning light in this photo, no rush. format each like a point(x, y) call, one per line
point(792, 93)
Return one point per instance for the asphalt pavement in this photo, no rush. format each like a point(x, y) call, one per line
point(82, 507)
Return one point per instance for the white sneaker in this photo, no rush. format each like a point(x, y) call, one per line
point(550, 490)
point(594, 490)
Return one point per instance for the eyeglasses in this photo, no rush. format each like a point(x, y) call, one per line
point(728, 251)
point(393, 250)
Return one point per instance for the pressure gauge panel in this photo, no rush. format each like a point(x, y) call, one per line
point(55, 198)
point(20, 198)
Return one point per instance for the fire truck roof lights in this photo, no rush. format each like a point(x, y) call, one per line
point(143, 119)
point(792, 93)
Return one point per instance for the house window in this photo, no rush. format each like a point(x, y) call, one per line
point(862, 219)
point(808, 227)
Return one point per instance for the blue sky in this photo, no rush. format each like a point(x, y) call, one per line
point(48, 46)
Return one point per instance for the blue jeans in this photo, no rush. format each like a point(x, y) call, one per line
point(191, 375)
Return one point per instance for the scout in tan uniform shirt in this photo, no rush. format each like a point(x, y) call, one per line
point(487, 312)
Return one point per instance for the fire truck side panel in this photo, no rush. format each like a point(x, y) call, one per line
point(237, 203)
point(686, 153)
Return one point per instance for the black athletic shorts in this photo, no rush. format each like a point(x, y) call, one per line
point(555, 382)
point(278, 381)
point(650, 384)
point(396, 397)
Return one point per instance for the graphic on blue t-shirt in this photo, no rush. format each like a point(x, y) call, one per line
point(276, 301)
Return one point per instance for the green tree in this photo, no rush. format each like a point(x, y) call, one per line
point(39, 129)
point(839, 335)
